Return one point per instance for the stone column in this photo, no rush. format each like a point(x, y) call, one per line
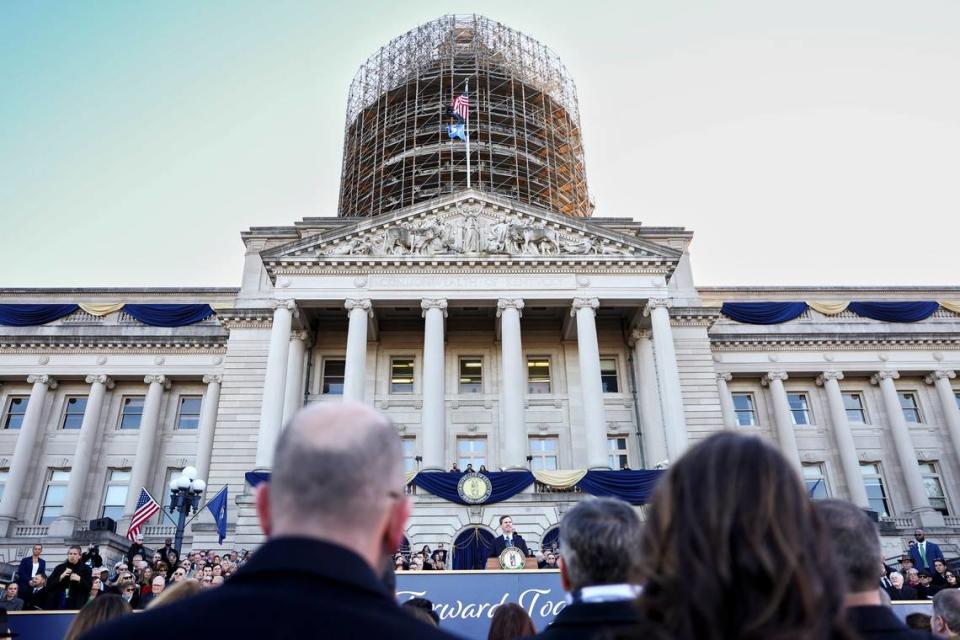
point(22, 460)
point(668, 377)
point(355, 367)
point(87, 440)
point(591, 385)
point(433, 415)
point(293, 399)
point(208, 424)
point(843, 435)
point(907, 455)
point(513, 385)
point(948, 401)
point(274, 383)
point(146, 441)
point(727, 410)
point(783, 418)
point(654, 438)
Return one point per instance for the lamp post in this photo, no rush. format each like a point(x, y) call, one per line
point(185, 492)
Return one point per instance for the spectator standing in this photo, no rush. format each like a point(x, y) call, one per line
point(70, 582)
point(333, 511)
point(856, 545)
point(945, 621)
point(509, 622)
point(92, 558)
point(136, 549)
point(924, 552)
point(11, 600)
point(31, 566)
point(598, 569)
point(709, 566)
point(169, 553)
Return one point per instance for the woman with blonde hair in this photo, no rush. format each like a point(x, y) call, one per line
point(177, 591)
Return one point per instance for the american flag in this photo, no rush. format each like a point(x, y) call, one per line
point(146, 508)
point(461, 106)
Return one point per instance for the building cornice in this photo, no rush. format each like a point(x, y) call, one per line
point(139, 344)
point(833, 342)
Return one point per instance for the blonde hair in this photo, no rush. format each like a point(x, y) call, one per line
point(179, 591)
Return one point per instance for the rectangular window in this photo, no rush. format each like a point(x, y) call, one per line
point(931, 482)
point(853, 404)
point(745, 409)
point(331, 378)
point(409, 454)
point(54, 495)
point(608, 375)
point(471, 375)
point(816, 480)
point(911, 409)
point(617, 456)
point(471, 451)
point(4, 474)
point(799, 408)
point(188, 415)
point(538, 374)
point(401, 375)
point(876, 492)
point(544, 454)
point(16, 408)
point(131, 412)
point(73, 413)
point(115, 497)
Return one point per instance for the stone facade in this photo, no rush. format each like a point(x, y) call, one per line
point(486, 330)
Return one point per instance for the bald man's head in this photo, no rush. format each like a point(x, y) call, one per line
point(337, 469)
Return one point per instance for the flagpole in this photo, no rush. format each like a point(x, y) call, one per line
point(467, 128)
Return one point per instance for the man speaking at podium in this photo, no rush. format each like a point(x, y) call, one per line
point(510, 538)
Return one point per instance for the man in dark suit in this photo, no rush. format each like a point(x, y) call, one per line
point(333, 512)
point(36, 596)
point(31, 566)
point(924, 552)
point(857, 550)
point(509, 538)
point(599, 554)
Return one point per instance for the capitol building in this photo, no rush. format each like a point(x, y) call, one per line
point(477, 299)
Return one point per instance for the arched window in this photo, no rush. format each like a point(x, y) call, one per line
point(551, 536)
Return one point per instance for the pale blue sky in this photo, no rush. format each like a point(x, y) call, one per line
point(808, 142)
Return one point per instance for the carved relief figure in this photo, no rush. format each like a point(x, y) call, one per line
point(471, 234)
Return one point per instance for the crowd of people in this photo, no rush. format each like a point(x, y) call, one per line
point(138, 579)
point(732, 547)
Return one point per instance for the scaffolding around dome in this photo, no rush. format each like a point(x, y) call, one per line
point(524, 125)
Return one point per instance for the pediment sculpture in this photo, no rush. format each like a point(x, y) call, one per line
point(472, 232)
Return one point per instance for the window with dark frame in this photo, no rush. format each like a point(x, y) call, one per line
point(73, 412)
point(471, 375)
point(910, 406)
point(16, 409)
point(332, 375)
point(401, 375)
point(853, 405)
point(131, 412)
point(188, 415)
point(538, 374)
point(608, 375)
point(745, 409)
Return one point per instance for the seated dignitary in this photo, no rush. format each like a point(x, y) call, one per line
point(598, 564)
point(856, 546)
point(333, 512)
point(509, 538)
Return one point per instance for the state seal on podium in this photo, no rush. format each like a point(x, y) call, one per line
point(511, 559)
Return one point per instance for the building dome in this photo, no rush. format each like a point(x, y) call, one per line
point(524, 125)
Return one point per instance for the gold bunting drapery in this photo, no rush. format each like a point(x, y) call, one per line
point(951, 305)
point(559, 479)
point(409, 476)
point(828, 308)
point(101, 308)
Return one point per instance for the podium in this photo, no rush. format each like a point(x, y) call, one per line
point(493, 564)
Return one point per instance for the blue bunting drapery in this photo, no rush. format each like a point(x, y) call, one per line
point(471, 549)
point(254, 478)
point(169, 315)
point(28, 315)
point(887, 311)
point(506, 484)
point(634, 487)
point(763, 312)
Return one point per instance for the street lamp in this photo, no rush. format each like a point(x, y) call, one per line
point(185, 492)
